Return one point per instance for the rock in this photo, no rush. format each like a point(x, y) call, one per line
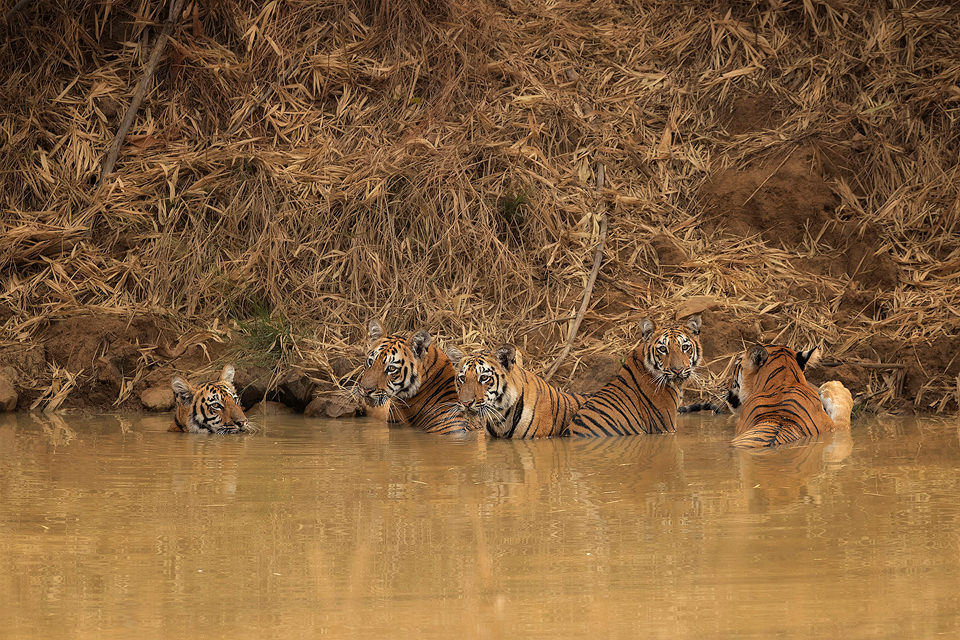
point(158, 398)
point(8, 395)
point(331, 408)
point(341, 366)
point(251, 383)
point(296, 389)
point(11, 374)
point(315, 408)
point(269, 408)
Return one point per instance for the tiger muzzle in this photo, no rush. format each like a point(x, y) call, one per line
point(469, 397)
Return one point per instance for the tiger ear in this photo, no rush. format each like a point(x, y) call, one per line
point(374, 330)
point(227, 374)
point(506, 355)
point(419, 342)
point(454, 354)
point(694, 324)
point(756, 357)
point(810, 357)
point(646, 328)
point(182, 391)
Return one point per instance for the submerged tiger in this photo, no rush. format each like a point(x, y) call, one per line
point(510, 401)
point(212, 407)
point(416, 378)
point(644, 396)
point(776, 403)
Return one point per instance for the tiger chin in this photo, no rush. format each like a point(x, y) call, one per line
point(645, 395)
point(209, 408)
point(415, 377)
point(510, 401)
point(775, 403)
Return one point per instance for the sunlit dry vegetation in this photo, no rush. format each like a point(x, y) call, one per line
point(300, 166)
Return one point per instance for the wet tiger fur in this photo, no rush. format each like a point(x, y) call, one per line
point(510, 401)
point(208, 408)
point(644, 396)
point(416, 378)
point(776, 404)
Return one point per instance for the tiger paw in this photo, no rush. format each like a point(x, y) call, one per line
point(837, 402)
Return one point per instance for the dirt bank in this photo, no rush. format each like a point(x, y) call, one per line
point(298, 168)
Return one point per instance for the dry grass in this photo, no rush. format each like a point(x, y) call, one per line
point(431, 163)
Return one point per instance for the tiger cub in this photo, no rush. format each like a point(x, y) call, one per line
point(208, 408)
point(416, 378)
point(510, 401)
point(645, 395)
point(776, 403)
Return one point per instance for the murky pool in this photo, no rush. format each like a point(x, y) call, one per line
point(113, 528)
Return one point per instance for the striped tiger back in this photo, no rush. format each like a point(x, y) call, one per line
point(776, 403)
point(644, 396)
point(510, 401)
point(416, 378)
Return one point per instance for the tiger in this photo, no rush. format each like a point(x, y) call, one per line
point(510, 401)
point(212, 407)
point(645, 395)
point(775, 402)
point(416, 377)
point(730, 401)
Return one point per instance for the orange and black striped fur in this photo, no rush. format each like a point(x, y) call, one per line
point(416, 378)
point(511, 401)
point(776, 403)
point(644, 396)
point(208, 408)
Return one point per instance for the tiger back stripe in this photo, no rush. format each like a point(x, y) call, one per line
point(778, 406)
point(559, 409)
point(627, 411)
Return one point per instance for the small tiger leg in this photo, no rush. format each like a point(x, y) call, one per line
point(837, 402)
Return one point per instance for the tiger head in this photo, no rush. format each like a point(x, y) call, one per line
point(213, 407)
point(485, 381)
point(771, 360)
point(671, 354)
point(394, 367)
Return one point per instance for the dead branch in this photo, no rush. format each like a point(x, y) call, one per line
point(597, 259)
point(111, 158)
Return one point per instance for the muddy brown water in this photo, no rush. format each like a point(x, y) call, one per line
point(113, 528)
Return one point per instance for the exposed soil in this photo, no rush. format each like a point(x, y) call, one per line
point(669, 252)
point(107, 356)
point(751, 113)
point(788, 202)
point(782, 199)
point(132, 360)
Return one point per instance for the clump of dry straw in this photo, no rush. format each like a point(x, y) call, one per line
point(327, 161)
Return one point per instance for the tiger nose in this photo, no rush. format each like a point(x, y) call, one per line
point(235, 420)
point(676, 372)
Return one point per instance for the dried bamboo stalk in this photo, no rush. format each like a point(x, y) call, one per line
point(591, 280)
point(110, 160)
